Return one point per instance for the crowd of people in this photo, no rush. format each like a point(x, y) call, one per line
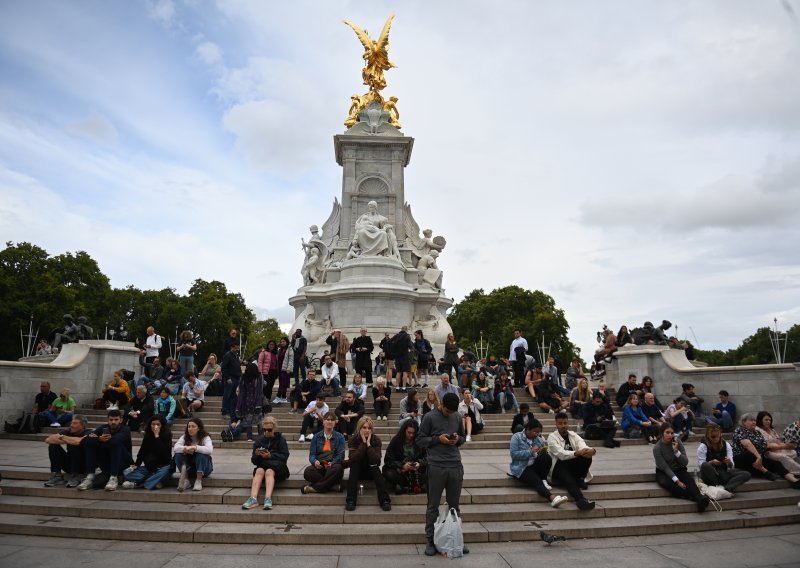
point(423, 455)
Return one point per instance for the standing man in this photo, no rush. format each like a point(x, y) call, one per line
point(441, 433)
point(362, 348)
point(152, 346)
point(519, 348)
point(402, 346)
point(231, 367)
point(340, 345)
point(571, 461)
point(299, 347)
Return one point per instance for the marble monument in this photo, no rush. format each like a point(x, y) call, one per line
point(371, 266)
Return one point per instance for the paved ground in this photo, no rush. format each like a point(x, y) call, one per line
point(761, 547)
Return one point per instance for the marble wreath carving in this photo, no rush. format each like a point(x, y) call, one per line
point(373, 236)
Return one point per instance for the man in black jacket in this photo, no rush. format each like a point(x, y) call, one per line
point(349, 411)
point(231, 368)
point(626, 389)
point(362, 349)
point(139, 409)
point(401, 345)
point(598, 421)
point(109, 447)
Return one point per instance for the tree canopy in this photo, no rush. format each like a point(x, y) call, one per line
point(754, 350)
point(36, 285)
point(501, 311)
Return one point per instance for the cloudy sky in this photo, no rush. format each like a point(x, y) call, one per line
point(634, 159)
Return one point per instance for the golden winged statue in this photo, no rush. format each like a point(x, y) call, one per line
point(376, 58)
point(376, 55)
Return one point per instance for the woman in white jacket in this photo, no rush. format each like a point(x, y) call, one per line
point(193, 455)
point(470, 411)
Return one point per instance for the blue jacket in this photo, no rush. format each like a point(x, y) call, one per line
point(633, 416)
point(338, 445)
point(521, 451)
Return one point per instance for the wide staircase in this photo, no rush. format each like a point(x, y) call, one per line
point(494, 506)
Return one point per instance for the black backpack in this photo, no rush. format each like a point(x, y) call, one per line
point(26, 424)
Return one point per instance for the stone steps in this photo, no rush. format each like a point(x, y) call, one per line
point(368, 511)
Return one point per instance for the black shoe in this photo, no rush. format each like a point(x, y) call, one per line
point(617, 443)
point(350, 506)
point(430, 548)
point(386, 506)
point(585, 505)
point(684, 435)
point(609, 444)
point(702, 504)
point(465, 550)
point(582, 484)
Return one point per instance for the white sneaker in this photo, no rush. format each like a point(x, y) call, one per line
point(301, 438)
point(557, 500)
point(112, 483)
point(55, 425)
point(128, 485)
point(276, 400)
point(198, 485)
point(114, 406)
point(469, 438)
point(86, 483)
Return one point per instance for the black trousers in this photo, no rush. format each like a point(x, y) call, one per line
point(745, 461)
point(322, 480)
point(365, 372)
point(533, 475)
point(72, 460)
point(362, 470)
point(568, 472)
point(692, 493)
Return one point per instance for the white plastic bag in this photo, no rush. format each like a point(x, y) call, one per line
point(715, 492)
point(447, 535)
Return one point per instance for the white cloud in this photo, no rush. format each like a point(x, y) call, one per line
point(163, 11)
point(209, 53)
point(96, 127)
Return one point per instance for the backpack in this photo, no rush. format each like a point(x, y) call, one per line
point(26, 424)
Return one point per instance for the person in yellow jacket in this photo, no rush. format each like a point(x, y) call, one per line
point(117, 393)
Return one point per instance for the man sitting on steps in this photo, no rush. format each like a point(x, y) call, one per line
point(72, 460)
point(110, 447)
point(572, 459)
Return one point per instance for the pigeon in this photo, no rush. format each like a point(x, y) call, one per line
point(550, 538)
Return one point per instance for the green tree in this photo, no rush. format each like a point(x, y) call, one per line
point(498, 313)
point(263, 331)
point(44, 288)
point(755, 350)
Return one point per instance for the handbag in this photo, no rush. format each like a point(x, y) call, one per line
point(447, 534)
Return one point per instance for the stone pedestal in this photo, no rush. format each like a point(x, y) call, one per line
point(382, 292)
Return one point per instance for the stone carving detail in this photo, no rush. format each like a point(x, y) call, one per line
point(420, 246)
point(429, 273)
point(649, 335)
point(373, 186)
point(373, 236)
point(318, 248)
point(71, 332)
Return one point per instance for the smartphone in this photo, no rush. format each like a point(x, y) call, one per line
point(106, 430)
point(453, 436)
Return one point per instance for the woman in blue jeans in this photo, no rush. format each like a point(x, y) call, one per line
point(193, 455)
point(154, 459)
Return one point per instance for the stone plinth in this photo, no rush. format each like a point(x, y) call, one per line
point(775, 388)
point(82, 367)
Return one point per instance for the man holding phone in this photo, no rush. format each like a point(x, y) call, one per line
point(109, 447)
point(441, 433)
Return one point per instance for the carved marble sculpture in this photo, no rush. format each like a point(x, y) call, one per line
point(649, 335)
point(429, 273)
point(318, 248)
point(373, 235)
point(420, 246)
